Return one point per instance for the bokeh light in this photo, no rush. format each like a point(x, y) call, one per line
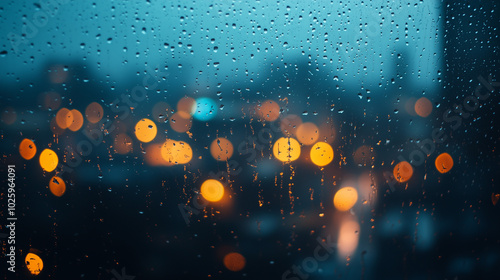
point(345, 198)
point(321, 154)
point(403, 171)
point(34, 263)
point(48, 160)
point(348, 238)
point(289, 125)
point(176, 152)
point(57, 186)
point(145, 130)
point(64, 118)
point(423, 107)
point(364, 155)
point(153, 155)
point(205, 109)
point(212, 190)
point(268, 110)
point(122, 144)
point(77, 120)
point(444, 162)
point(234, 261)
point(94, 112)
point(307, 133)
point(181, 122)
point(286, 149)
point(27, 149)
point(187, 105)
point(221, 149)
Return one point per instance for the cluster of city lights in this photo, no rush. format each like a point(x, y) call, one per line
point(169, 152)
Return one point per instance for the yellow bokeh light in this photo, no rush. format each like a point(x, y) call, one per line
point(444, 163)
point(234, 261)
point(403, 171)
point(286, 149)
point(64, 118)
point(27, 149)
point(34, 263)
point(423, 107)
point(57, 186)
point(268, 110)
point(307, 133)
point(176, 152)
point(48, 160)
point(145, 130)
point(345, 198)
point(94, 112)
point(212, 190)
point(221, 149)
point(321, 154)
point(77, 120)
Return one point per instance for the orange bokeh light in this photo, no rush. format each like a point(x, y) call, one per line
point(289, 125)
point(34, 263)
point(403, 171)
point(307, 133)
point(364, 155)
point(64, 118)
point(221, 149)
point(27, 149)
point(153, 155)
point(234, 261)
point(187, 105)
point(122, 144)
point(77, 120)
point(94, 112)
point(57, 186)
point(268, 110)
point(423, 107)
point(444, 163)
point(181, 121)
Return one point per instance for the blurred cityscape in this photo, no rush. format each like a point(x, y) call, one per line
point(337, 140)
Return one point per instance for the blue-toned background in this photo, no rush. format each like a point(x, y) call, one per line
point(354, 68)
